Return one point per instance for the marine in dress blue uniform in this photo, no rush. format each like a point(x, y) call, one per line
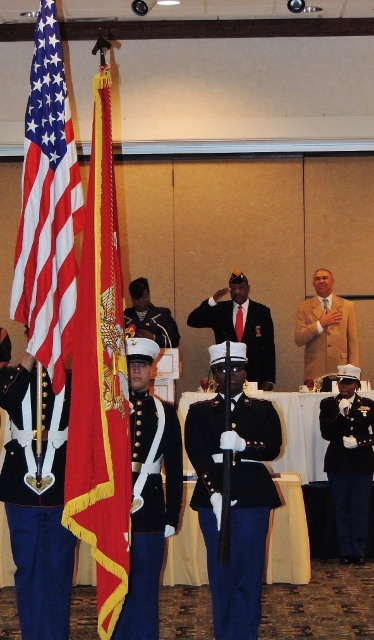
point(156, 439)
point(255, 437)
point(258, 334)
point(43, 550)
point(347, 422)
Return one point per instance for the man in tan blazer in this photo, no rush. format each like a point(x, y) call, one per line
point(326, 325)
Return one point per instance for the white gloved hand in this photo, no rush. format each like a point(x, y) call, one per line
point(169, 531)
point(231, 440)
point(344, 404)
point(350, 442)
point(216, 502)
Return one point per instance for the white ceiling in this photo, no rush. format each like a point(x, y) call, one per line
point(190, 10)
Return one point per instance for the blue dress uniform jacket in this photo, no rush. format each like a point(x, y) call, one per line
point(161, 316)
point(139, 618)
point(235, 586)
point(254, 420)
point(258, 334)
point(43, 550)
point(349, 471)
point(14, 382)
point(157, 510)
point(360, 424)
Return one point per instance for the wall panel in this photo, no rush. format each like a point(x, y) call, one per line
point(339, 232)
point(145, 211)
point(10, 211)
point(186, 224)
point(245, 214)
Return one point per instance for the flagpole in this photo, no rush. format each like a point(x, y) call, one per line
point(224, 534)
point(39, 409)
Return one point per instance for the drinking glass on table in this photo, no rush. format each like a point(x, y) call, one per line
point(204, 384)
point(318, 384)
point(310, 383)
point(212, 385)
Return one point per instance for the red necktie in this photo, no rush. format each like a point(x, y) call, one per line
point(239, 324)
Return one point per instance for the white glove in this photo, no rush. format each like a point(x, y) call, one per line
point(169, 531)
point(343, 404)
point(350, 442)
point(231, 440)
point(216, 501)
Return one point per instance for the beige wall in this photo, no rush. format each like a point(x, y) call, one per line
point(244, 90)
point(185, 224)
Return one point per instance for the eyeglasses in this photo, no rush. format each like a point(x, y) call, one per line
point(233, 369)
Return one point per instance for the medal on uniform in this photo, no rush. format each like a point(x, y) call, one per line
point(364, 410)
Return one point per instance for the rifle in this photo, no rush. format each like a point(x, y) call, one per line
point(224, 536)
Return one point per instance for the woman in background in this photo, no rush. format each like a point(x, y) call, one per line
point(346, 421)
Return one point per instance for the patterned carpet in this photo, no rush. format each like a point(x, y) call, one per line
point(337, 604)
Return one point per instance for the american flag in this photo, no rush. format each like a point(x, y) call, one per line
point(44, 287)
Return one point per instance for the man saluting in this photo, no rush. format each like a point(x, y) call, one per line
point(241, 320)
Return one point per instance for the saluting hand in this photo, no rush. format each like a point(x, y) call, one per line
point(221, 293)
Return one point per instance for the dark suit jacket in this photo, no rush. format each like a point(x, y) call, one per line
point(258, 334)
point(334, 426)
point(258, 423)
point(163, 317)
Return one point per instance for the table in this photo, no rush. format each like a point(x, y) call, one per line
point(287, 558)
point(287, 548)
point(287, 553)
point(303, 449)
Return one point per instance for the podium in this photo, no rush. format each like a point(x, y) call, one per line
point(165, 370)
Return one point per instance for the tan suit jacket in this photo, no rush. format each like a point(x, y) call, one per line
point(336, 345)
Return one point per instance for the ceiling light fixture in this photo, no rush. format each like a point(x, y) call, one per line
point(296, 6)
point(29, 14)
point(141, 7)
point(312, 9)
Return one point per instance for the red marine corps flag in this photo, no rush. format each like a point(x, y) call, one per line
point(44, 288)
point(98, 470)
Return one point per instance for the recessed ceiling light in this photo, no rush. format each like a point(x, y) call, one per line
point(312, 9)
point(29, 14)
point(168, 2)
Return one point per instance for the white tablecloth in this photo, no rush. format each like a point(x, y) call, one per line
point(303, 448)
point(287, 558)
point(287, 549)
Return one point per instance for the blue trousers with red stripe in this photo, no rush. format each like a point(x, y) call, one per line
point(138, 619)
point(236, 587)
point(43, 552)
